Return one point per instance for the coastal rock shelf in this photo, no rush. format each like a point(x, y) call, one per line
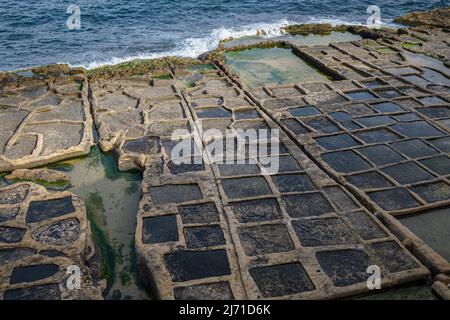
point(131, 113)
point(44, 238)
point(44, 118)
point(383, 132)
point(432, 42)
point(231, 231)
point(367, 139)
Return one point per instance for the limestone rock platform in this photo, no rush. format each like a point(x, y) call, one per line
point(45, 238)
point(44, 118)
point(232, 231)
point(362, 145)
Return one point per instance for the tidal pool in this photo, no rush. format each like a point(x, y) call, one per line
point(112, 200)
point(262, 66)
point(433, 227)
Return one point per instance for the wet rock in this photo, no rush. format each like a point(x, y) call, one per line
point(280, 280)
point(322, 232)
point(48, 119)
point(11, 234)
point(11, 255)
point(33, 273)
point(198, 213)
point(256, 210)
point(38, 244)
point(202, 237)
point(8, 213)
point(216, 291)
point(305, 29)
point(195, 227)
point(344, 267)
point(39, 292)
point(14, 195)
point(160, 229)
point(439, 17)
point(51, 179)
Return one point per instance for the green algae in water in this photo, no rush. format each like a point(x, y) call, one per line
point(258, 67)
point(112, 200)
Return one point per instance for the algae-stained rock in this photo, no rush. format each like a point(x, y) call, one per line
point(439, 17)
point(50, 179)
point(44, 118)
point(196, 224)
point(182, 238)
point(134, 108)
point(43, 244)
point(305, 29)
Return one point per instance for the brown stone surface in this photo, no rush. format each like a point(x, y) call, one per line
point(45, 118)
point(379, 131)
point(41, 236)
point(215, 230)
point(439, 17)
point(52, 179)
point(377, 139)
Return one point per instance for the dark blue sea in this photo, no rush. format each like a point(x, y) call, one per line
point(34, 32)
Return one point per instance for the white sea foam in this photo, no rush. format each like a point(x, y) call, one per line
point(193, 47)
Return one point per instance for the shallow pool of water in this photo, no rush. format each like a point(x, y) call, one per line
point(258, 67)
point(2, 181)
point(426, 61)
point(433, 227)
point(112, 200)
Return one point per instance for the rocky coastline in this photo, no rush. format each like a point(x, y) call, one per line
point(208, 231)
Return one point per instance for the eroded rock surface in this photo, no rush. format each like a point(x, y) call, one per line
point(439, 17)
point(45, 238)
point(211, 230)
point(382, 131)
point(44, 118)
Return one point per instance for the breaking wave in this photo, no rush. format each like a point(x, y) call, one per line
point(193, 47)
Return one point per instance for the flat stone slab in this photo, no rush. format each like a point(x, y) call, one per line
point(214, 230)
point(51, 179)
point(43, 238)
point(378, 132)
point(131, 112)
point(375, 140)
point(44, 118)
